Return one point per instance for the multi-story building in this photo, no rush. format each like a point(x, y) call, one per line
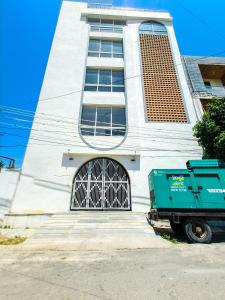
point(114, 104)
point(206, 78)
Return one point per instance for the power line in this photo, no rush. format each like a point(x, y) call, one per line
point(125, 79)
point(130, 136)
point(85, 120)
point(200, 20)
point(133, 148)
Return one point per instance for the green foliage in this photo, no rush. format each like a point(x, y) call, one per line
point(11, 240)
point(210, 131)
point(169, 238)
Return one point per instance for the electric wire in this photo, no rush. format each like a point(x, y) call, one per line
point(133, 148)
point(86, 120)
point(125, 79)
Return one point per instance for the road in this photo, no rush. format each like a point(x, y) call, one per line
point(183, 271)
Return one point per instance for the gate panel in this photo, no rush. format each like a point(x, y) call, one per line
point(101, 184)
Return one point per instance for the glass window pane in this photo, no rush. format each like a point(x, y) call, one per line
point(104, 77)
point(117, 47)
point(88, 116)
point(104, 88)
point(90, 88)
point(118, 55)
point(117, 29)
point(109, 54)
point(118, 117)
point(94, 45)
point(146, 27)
point(119, 89)
point(106, 22)
point(117, 78)
point(159, 27)
point(93, 21)
point(106, 46)
point(103, 131)
point(87, 131)
point(103, 116)
point(91, 76)
point(93, 54)
point(120, 131)
point(119, 22)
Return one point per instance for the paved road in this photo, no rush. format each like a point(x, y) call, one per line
point(182, 271)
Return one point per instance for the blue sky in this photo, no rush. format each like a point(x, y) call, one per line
point(27, 29)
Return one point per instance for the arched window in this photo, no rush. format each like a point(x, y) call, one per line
point(152, 27)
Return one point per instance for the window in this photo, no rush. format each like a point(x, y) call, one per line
point(103, 121)
point(207, 84)
point(106, 25)
point(152, 27)
point(105, 48)
point(104, 80)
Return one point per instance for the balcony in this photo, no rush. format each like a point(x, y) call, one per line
point(214, 79)
point(218, 91)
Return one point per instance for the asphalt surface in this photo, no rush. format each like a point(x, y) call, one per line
point(183, 271)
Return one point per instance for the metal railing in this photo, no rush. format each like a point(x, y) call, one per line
point(216, 91)
point(109, 6)
point(10, 161)
point(105, 28)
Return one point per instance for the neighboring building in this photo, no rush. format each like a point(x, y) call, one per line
point(124, 109)
point(206, 78)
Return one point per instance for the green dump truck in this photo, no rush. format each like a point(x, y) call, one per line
point(189, 198)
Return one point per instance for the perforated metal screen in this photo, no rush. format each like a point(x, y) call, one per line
point(162, 93)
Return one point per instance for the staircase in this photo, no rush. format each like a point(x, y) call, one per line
point(95, 231)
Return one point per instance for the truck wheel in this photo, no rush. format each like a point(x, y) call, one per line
point(177, 228)
point(198, 231)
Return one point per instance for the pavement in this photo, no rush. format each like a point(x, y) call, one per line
point(181, 272)
point(92, 265)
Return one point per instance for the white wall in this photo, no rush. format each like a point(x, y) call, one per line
point(8, 183)
point(47, 173)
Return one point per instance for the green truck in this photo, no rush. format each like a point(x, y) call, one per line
point(191, 199)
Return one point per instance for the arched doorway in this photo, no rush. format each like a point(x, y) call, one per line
point(101, 184)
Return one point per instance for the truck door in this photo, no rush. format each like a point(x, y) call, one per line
point(180, 190)
point(211, 194)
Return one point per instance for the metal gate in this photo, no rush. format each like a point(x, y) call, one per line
point(101, 184)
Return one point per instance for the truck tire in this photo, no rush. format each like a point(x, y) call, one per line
point(177, 228)
point(198, 231)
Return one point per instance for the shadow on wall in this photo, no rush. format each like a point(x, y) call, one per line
point(130, 163)
point(49, 184)
point(4, 208)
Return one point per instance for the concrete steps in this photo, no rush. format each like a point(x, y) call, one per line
point(95, 231)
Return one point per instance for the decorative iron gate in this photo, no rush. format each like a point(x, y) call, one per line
point(101, 184)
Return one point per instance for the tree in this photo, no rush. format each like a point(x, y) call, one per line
point(210, 130)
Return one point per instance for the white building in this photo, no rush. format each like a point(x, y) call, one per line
point(114, 105)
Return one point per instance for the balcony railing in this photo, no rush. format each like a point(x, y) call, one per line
point(216, 91)
point(107, 28)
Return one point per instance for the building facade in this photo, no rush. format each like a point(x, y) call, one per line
point(206, 79)
point(114, 104)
